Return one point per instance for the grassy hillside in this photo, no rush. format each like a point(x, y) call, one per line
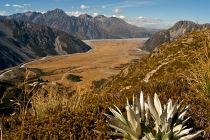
point(180, 69)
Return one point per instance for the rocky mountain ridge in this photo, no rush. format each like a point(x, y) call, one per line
point(178, 30)
point(85, 26)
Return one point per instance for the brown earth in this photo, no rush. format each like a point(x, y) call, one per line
point(106, 59)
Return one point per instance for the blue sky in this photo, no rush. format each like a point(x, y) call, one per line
point(145, 13)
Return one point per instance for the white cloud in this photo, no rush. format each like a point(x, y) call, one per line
point(141, 17)
point(148, 22)
point(17, 6)
point(74, 13)
point(122, 17)
point(25, 5)
point(84, 7)
point(117, 10)
point(41, 12)
point(7, 5)
point(3, 13)
point(95, 14)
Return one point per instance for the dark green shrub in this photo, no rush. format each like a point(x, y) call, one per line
point(74, 78)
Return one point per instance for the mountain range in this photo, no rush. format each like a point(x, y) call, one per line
point(85, 26)
point(179, 29)
point(22, 41)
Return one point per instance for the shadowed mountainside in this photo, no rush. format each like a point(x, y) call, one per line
point(21, 41)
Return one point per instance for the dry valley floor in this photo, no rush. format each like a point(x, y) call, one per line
point(106, 59)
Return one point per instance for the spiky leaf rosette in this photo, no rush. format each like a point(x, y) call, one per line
point(130, 126)
point(170, 120)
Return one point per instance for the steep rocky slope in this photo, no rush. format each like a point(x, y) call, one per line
point(22, 41)
point(179, 29)
point(85, 26)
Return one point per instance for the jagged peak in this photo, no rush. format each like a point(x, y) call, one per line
point(184, 23)
point(57, 10)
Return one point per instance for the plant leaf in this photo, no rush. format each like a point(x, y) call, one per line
point(192, 136)
point(153, 111)
point(142, 105)
point(157, 105)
